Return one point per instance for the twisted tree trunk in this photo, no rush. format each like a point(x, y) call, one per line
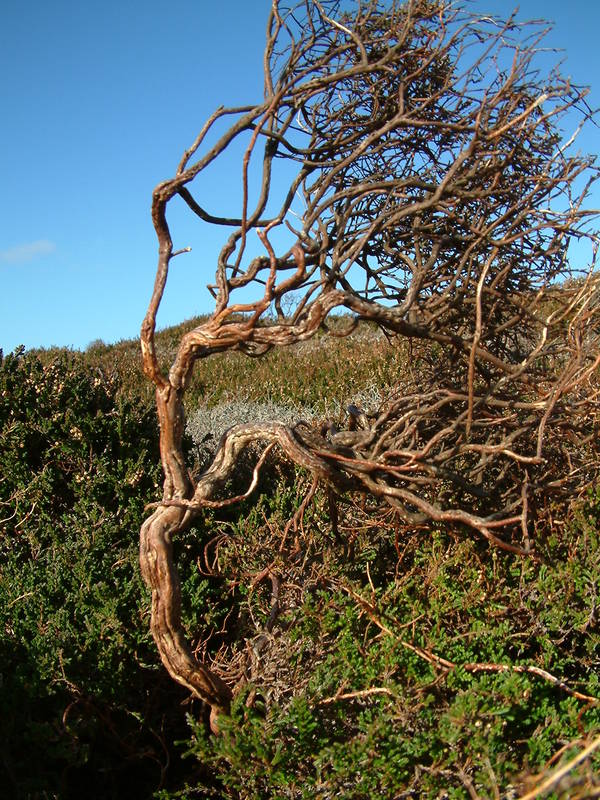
point(432, 197)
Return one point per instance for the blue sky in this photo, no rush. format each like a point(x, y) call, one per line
point(99, 100)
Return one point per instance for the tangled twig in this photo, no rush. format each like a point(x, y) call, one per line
point(433, 203)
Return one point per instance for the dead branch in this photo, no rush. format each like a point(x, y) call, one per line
point(430, 191)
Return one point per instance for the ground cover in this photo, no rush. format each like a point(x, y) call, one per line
point(369, 656)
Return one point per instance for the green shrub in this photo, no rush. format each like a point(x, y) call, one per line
point(79, 712)
point(403, 725)
point(87, 710)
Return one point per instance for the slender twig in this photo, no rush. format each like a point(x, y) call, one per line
point(558, 774)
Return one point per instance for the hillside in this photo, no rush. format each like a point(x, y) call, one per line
point(370, 658)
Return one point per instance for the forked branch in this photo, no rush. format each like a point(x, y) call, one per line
point(413, 175)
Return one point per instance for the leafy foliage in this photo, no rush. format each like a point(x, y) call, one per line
point(86, 708)
point(78, 672)
point(341, 704)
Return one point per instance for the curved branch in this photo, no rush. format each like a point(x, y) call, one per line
point(414, 154)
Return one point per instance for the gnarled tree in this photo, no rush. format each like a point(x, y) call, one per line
point(415, 174)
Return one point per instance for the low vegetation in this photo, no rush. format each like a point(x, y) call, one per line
point(371, 658)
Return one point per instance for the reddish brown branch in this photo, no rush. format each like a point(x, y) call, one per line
point(429, 201)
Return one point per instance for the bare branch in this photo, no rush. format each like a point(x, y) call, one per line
point(415, 158)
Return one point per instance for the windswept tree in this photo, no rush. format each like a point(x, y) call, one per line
point(419, 172)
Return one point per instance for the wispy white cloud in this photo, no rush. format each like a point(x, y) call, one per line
point(21, 253)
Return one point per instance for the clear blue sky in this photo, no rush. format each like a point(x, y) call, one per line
point(99, 100)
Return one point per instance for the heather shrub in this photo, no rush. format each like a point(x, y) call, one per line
point(80, 691)
point(339, 691)
point(397, 663)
